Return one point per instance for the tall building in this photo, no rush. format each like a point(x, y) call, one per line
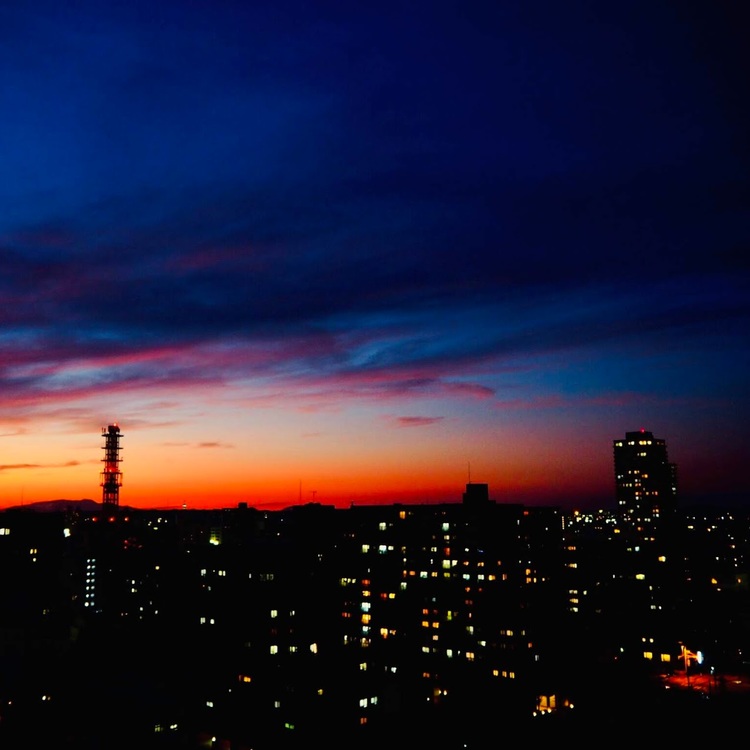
point(476, 495)
point(645, 480)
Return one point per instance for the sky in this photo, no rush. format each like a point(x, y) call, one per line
point(356, 253)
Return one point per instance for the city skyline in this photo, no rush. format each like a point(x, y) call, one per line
point(367, 254)
point(110, 482)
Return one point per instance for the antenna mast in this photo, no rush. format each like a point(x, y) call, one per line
point(111, 477)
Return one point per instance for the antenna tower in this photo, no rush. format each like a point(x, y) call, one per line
point(111, 477)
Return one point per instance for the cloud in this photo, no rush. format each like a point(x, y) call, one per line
point(416, 421)
point(13, 467)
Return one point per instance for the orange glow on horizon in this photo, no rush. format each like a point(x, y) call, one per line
point(274, 465)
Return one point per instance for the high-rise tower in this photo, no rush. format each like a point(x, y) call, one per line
point(111, 477)
point(645, 480)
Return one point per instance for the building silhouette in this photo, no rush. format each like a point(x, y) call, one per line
point(450, 625)
point(645, 480)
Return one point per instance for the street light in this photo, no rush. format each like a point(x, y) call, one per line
point(689, 656)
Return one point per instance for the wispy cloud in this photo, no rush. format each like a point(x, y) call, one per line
point(14, 467)
point(416, 421)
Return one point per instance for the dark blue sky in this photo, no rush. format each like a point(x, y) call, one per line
point(513, 229)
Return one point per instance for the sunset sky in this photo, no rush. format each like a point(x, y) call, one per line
point(367, 252)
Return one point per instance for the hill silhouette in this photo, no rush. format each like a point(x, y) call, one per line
point(50, 506)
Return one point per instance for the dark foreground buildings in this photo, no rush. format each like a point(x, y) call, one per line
point(472, 624)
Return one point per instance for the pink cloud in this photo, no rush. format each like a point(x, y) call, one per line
point(416, 421)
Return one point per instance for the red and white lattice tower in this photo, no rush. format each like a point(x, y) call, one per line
point(111, 477)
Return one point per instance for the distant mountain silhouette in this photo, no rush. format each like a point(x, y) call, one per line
point(48, 506)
